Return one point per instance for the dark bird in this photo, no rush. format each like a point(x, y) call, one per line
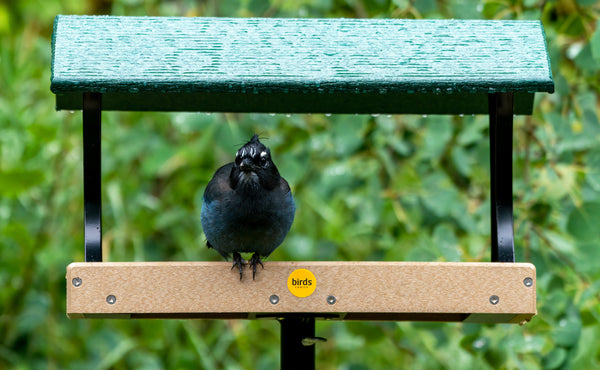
point(247, 207)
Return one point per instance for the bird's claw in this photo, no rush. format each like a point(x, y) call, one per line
point(238, 262)
point(255, 260)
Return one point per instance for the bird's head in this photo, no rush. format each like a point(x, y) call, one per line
point(254, 166)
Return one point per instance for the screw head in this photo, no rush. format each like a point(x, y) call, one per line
point(331, 299)
point(76, 281)
point(528, 281)
point(494, 299)
point(274, 299)
point(111, 299)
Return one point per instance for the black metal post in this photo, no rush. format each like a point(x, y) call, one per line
point(501, 136)
point(295, 354)
point(92, 196)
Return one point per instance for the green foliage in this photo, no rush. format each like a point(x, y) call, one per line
point(367, 188)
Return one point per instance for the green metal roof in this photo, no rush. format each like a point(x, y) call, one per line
point(297, 65)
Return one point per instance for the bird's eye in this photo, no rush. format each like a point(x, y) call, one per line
point(264, 158)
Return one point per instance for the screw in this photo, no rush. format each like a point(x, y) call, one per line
point(274, 299)
point(331, 299)
point(494, 299)
point(76, 281)
point(528, 282)
point(111, 299)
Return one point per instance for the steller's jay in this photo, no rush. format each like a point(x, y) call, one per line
point(247, 207)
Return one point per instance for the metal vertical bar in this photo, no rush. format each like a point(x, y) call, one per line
point(501, 136)
point(92, 196)
point(294, 354)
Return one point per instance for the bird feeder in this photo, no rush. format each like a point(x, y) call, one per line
point(387, 66)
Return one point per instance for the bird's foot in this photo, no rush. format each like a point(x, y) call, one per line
point(238, 262)
point(254, 261)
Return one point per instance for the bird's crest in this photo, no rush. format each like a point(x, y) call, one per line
point(253, 148)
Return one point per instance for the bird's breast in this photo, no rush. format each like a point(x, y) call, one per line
point(249, 178)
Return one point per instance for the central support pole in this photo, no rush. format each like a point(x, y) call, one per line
point(295, 354)
point(92, 196)
point(501, 136)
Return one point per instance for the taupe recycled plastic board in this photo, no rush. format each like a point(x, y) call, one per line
point(297, 65)
point(416, 291)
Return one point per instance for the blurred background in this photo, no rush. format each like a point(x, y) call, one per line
point(381, 188)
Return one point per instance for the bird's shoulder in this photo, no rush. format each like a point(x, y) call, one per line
point(220, 184)
point(284, 187)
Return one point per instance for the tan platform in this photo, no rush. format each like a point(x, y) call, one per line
point(416, 291)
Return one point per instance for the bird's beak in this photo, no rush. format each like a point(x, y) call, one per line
point(246, 165)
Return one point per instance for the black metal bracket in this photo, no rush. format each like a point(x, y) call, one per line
point(501, 136)
point(92, 195)
point(295, 352)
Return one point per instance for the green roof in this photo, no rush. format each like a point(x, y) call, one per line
point(297, 65)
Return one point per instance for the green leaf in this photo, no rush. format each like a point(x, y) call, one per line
point(402, 4)
point(5, 21)
point(539, 212)
point(495, 358)
point(554, 304)
point(440, 197)
point(561, 86)
point(583, 222)
point(465, 9)
point(157, 159)
point(571, 25)
point(187, 123)
point(587, 256)
point(437, 133)
point(446, 242)
point(585, 356)
point(34, 315)
point(568, 331)
point(585, 60)
point(462, 161)
point(425, 6)
point(348, 341)
point(15, 182)
point(560, 242)
point(555, 358)
point(472, 132)
point(475, 343)
point(347, 135)
point(530, 3)
point(421, 254)
point(595, 41)
point(116, 354)
point(592, 174)
point(557, 181)
point(335, 177)
point(144, 360)
point(371, 331)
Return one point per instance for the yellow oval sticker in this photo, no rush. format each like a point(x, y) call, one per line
point(302, 283)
